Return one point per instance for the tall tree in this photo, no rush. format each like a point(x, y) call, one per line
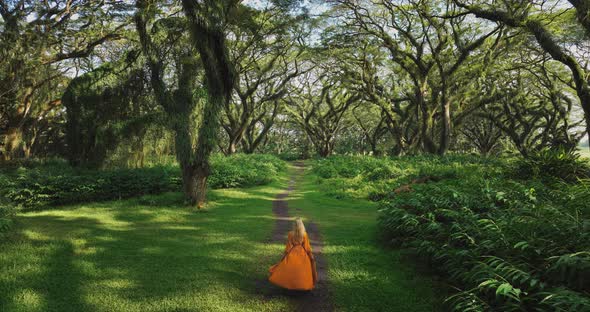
point(207, 20)
point(437, 55)
point(318, 103)
point(372, 123)
point(180, 98)
point(38, 39)
point(530, 17)
point(534, 111)
point(264, 53)
point(369, 73)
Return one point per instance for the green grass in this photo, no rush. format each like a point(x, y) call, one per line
point(362, 275)
point(152, 254)
point(147, 254)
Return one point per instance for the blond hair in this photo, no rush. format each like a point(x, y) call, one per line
point(298, 230)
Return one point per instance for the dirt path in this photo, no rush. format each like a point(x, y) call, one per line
point(319, 298)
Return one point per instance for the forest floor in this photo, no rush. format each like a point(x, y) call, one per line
point(152, 254)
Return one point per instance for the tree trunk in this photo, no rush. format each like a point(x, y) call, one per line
point(12, 142)
point(445, 136)
point(194, 182)
point(201, 187)
point(325, 149)
point(232, 148)
point(189, 183)
point(374, 149)
point(521, 148)
point(26, 151)
point(426, 126)
point(208, 135)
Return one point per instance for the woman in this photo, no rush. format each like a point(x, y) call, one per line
point(296, 270)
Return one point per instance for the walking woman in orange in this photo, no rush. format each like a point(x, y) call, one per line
point(297, 269)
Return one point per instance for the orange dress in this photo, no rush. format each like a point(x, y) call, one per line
point(296, 270)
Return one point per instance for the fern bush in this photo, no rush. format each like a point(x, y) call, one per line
point(355, 176)
point(506, 245)
point(554, 164)
point(375, 177)
point(352, 166)
point(241, 170)
point(507, 234)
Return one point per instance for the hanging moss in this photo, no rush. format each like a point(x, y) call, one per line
point(104, 106)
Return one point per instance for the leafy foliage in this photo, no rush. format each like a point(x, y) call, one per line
point(104, 107)
point(7, 212)
point(355, 176)
point(244, 170)
point(505, 244)
point(36, 187)
point(561, 164)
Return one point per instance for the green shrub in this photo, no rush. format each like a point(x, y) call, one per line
point(290, 156)
point(43, 186)
point(346, 188)
point(7, 212)
point(371, 169)
point(241, 170)
point(384, 172)
point(381, 176)
point(553, 164)
point(506, 240)
point(507, 245)
point(356, 176)
point(35, 187)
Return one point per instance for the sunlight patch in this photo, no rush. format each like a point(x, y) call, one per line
point(154, 250)
point(353, 275)
point(117, 283)
point(35, 235)
point(29, 298)
point(181, 227)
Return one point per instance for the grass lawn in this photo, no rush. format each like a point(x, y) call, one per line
point(362, 275)
point(148, 254)
point(152, 254)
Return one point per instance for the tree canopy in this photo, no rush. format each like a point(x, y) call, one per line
point(300, 77)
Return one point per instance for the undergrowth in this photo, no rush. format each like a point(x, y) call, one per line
point(507, 234)
point(32, 185)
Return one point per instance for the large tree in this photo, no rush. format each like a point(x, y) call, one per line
point(207, 20)
point(318, 102)
point(39, 39)
point(438, 56)
point(263, 49)
point(535, 107)
point(168, 52)
point(534, 19)
point(104, 107)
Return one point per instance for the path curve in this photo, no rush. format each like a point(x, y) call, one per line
point(319, 298)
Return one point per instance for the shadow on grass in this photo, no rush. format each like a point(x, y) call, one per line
point(63, 290)
point(54, 284)
point(128, 256)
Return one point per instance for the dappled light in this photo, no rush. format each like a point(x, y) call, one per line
point(295, 155)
